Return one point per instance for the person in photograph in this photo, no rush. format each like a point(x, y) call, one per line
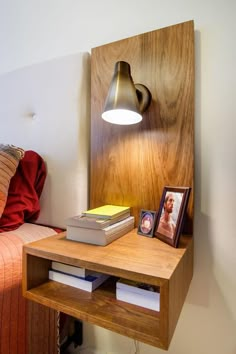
point(166, 224)
point(147, 223)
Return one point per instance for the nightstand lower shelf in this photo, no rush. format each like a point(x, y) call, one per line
point(100, 308)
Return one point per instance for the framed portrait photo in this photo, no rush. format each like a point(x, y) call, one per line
point(147, 221)
point(170, 216)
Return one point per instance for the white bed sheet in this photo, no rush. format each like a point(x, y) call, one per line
point(30, 232)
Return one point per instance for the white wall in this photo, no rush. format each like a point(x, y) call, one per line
point(33, 31)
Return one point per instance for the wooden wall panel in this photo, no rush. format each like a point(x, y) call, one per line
point(130, 165)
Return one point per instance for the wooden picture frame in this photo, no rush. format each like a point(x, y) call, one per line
point(147, 222)
point(170, 217)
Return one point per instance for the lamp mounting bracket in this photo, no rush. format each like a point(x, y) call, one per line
point(144, 96)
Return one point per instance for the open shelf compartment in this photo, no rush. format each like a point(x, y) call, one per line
point(133, 257)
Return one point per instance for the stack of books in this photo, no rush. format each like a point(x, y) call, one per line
point(101, 225)
point(77, 277)
point(139, 294)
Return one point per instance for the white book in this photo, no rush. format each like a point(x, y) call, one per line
point(94, 223)
point(100, 237)
point(147, 290)
point(89, 283)
point(66, 268)
point(138, 299)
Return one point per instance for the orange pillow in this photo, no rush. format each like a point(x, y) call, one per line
point(10, 157)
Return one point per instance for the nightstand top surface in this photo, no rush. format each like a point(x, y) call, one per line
point(144, 258)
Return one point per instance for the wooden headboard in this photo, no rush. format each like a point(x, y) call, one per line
point(45, 107)
point(130, 165)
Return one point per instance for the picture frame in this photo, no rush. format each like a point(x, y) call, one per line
point(171, 214)
point(147, 221)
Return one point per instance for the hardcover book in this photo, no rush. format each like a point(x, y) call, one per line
point(66, 268)
point(94, 222)
point(100, 237)
point(89, 283)
point(137, 299)
point(138, 288)
point(138, 293)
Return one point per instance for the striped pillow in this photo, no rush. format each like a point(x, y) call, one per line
point(10, 156)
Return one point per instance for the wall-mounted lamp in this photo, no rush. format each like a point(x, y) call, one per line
point(125, 101)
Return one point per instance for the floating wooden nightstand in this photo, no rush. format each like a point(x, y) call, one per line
point(132, 257)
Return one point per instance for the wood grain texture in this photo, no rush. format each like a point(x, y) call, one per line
point(132, 257)
point(42, 329)
point(101, 308)
point(130, 165)
point(178, 289)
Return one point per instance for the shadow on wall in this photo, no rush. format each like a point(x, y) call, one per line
point(206, 317)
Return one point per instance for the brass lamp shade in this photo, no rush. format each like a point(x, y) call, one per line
point(125, 101)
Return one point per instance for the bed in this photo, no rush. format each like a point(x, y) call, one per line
point(44, 148)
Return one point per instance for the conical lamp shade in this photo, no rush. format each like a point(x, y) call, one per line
point(122, 105)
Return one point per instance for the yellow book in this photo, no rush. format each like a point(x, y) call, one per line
point(107, 211)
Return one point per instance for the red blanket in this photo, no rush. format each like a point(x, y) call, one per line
point(24, 192)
